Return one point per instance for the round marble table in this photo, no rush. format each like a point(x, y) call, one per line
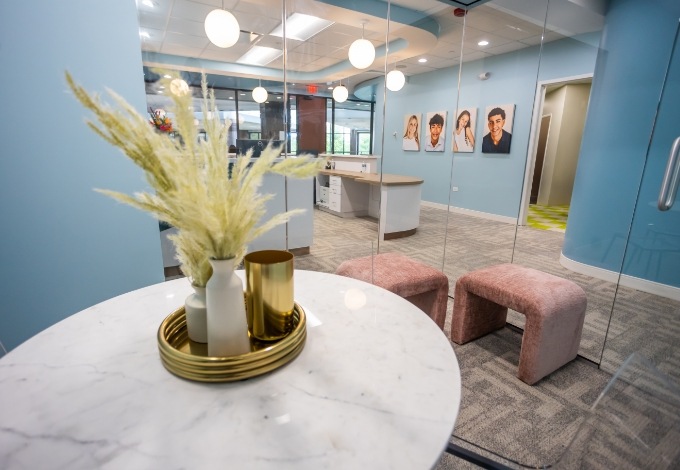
point(376, 386)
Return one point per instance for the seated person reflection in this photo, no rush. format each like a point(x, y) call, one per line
point(498, 139)
point(436, 141)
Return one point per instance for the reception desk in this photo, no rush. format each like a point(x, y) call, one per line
point(393, 199)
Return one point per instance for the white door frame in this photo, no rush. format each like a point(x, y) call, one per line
point(533, 140)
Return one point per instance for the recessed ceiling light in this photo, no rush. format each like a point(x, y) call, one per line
point(301, 27)
point(422, 60)
point(259, 55)
point(242, 94)
point(144, 34)
point(483, 43)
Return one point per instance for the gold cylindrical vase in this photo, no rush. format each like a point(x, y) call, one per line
point(269, 294)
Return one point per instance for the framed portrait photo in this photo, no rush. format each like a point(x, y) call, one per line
point(464, 130)
point(411, 137)
point(435, 131)
point(498, 137)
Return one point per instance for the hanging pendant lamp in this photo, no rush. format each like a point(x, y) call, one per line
point(361, 52)
point(340, 93)
point(395, 80)
point(260, 94)
point(222, 28)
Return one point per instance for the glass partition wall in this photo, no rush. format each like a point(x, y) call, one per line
point(546, 190)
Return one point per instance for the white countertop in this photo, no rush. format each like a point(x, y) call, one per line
point(340, 155)
point(377, 385)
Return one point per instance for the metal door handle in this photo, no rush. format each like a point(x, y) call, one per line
point(671, 178)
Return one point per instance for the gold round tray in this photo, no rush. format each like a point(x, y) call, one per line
point(190, 360)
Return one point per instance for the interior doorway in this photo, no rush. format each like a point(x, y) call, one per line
point(540, 156)
point(555, 141)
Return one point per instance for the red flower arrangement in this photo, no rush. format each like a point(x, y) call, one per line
point(159, 120)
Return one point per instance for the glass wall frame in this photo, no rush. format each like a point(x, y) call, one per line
point(475, 205)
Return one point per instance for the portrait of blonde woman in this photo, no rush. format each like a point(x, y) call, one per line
point(463, 133)
point(411, 140)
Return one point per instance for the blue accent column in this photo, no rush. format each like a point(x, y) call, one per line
point(65, 247)
point(629, 73)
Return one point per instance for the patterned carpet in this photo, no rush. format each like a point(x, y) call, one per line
point(548, 217)
point(537, 422)
point(500, 416)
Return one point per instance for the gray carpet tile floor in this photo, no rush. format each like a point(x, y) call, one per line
point(500, 416)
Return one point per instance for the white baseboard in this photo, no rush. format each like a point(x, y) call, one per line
point(481, 215)
point(643, 285)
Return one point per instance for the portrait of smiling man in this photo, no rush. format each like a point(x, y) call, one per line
point(435, 132)
point(498, 139)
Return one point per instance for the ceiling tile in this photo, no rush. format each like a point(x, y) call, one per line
point(229, 54)
point(536, 40)
point(154, 21)
point(256, 23)
point(274, 12)
point(468, 57)
point(191, 11)
point(192, 42)
point(332, 38)
point(323, 62)
point(176, 49)
point(155, 35)
point(505, 48)
point(182, 26)
point(314, 49)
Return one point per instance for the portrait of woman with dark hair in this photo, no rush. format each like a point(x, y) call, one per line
point(463, 134)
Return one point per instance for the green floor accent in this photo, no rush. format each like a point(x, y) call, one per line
point(548, 217)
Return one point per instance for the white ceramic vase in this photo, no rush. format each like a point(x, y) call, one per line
point(195, 309)
point(227, 323)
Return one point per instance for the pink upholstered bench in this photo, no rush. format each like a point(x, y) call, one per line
point(554, 309)
point(420, 284)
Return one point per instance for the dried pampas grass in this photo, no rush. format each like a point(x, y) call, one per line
point(217, 214)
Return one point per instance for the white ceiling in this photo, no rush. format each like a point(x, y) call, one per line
point(176, 34)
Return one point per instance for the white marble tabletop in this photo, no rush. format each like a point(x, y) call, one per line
point(377, 385)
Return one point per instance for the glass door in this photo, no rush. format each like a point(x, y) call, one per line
point(646, 313)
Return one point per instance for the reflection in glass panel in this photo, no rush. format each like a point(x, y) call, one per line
point(352, 128)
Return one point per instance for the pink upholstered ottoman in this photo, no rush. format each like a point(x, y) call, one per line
point(420, 284)
point(554, 308)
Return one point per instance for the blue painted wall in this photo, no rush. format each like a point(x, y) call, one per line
point(65, 247)
point(486, 182)
point(628, 80)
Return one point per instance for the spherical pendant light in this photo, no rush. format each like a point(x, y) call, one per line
point(361, 53)
point(395, 80)
point(340, 93)
point(260, 94)
point(179, 87)
point(222, 28)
